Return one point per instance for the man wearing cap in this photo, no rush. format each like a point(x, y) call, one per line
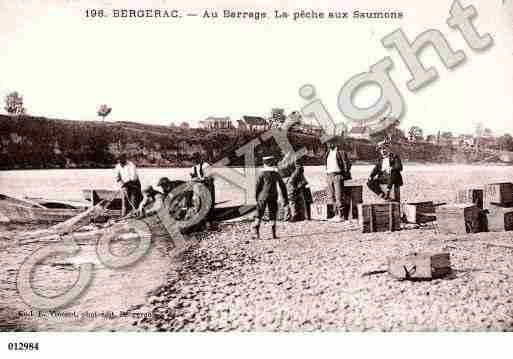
point(152, 202)
point(387, 171)
point(128, 179)
point(338, 169)
point(167, 186)
point(267, 185)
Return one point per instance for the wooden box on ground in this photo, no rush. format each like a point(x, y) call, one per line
point(353, 196)
point(379, 217)
point(459, 218)
point(499, 193)
point(475, 196)
point(420, 266)
point(499, 219)
point(322, 211)
point(419, 212)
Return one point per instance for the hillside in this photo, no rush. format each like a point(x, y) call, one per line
point(38, 142)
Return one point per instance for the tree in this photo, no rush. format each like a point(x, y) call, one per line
point(487, 132)
point(14, 104)
point(479, 128)
point(415, 133)
point(104, 111)
point(506, 142)
point(277, 117)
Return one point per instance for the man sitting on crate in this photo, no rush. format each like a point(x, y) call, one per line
point(386, 172)
point(338, 169)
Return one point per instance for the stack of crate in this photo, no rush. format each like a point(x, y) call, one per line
point(475, 196)
point(500, 194)
point(379, 217)
point(460, 218)
point(498, 198)
point(321, 210)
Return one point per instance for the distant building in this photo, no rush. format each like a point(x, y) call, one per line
point(360, 132)
point(185, 125)
point(252, 124)
point(487, 141)
point(216, 123)
point(310, 129)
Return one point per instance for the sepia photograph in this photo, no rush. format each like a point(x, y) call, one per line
point(256, 167)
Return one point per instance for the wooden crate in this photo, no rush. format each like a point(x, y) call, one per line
point(499, 219)
point(419, 212)
point(498, 194)
point(353, 196)
point(379, 217)
point(475, 196)
point(322, 211)
point(420, 266)
point(459, 218)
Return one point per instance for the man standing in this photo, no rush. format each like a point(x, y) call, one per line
point(338, 169)
point(387, 171)
point(199, 174)
point(127, 178)
point(267, 195)
point(296, 185)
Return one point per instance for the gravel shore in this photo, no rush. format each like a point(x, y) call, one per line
point(312, 278)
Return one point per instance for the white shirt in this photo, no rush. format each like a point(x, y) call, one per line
point(331, 162)
point(204, 167)
point(385, 165)
point(126, 173)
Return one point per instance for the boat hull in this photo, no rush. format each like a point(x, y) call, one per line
point(21, 214)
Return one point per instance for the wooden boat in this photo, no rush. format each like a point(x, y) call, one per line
point(231, 212)
point(58, 203)
point(25, 211)
point(96, 195)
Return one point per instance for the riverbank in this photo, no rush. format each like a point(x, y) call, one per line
point(312, 279)
point(111, 302)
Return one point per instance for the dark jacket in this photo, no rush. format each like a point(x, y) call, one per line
point(267, 187)
point(344, 163)
point(396, 167)
point(297, 182)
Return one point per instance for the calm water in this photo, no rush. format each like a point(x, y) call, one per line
point(67, 184)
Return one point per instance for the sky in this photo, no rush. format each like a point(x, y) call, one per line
point(160, 71)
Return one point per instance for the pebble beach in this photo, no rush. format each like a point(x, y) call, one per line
point(321, 276)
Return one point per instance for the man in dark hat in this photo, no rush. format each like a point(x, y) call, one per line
point(127, 177)
point(152, 202)
point(176, 205)
point(386, 172)
point(338, 169)
point(267, 194)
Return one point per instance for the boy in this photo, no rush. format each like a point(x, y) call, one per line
point(267, 195)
